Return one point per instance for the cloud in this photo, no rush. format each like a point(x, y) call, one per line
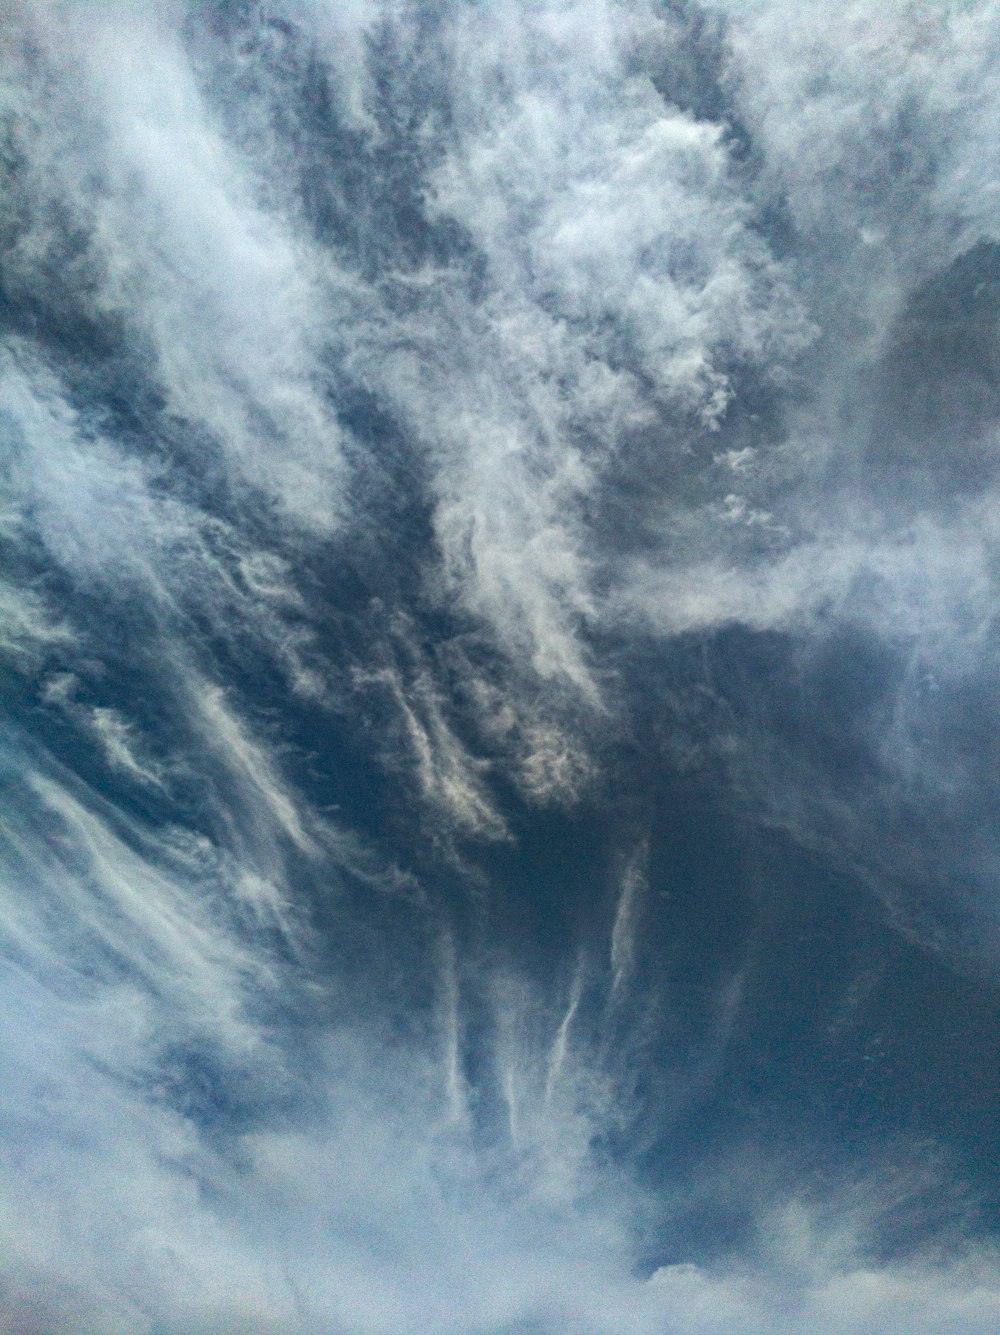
point(378, 1217)
point(896, 98)
point(29, 630)
point(447, 777)
point(447, 453)
point(623, 279)
point(172, 244)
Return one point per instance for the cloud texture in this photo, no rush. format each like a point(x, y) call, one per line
point(499, 624)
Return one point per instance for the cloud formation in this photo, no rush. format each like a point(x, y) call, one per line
point(498, 616)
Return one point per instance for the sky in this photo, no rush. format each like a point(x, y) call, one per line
point(498, 617)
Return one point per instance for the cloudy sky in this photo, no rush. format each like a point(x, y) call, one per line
point(498, 617)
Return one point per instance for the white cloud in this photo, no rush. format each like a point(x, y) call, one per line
point(559, 369)
point(379, 1218)
point(623, 280)
point(102, 904)
point(447, 777)
point(117, 737)
point(227, 300)
point(623, 933)
point(29, 630)
point(878, 123)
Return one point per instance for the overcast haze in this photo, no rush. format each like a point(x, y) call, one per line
point(498, 615)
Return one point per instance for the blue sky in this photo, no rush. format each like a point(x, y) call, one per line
point(498, 625)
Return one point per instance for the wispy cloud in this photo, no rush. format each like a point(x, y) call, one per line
point(482, 487)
